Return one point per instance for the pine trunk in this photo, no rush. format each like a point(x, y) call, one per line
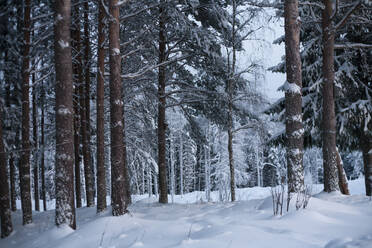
point(101, 170)
point(77, 82)
point(367, 160)
point(64, 167)
point(12, 183)
point(163, 185)
point(119, 205)
point(329, 118)
point(342, 179)
point(36, 147)
point(293, 98)
point(25, 155)
point(88, 166)
point(5, 213)
point(42, 163)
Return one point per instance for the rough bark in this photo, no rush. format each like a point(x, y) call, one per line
point(119, 205)
point(88, 166)
point(329, 118)
point(342, 179)
point(64, 177)
point(101, 170)
point(366, 146)
point(293, 98)
point(163, 185)
point(35, 146)
point(5, 213)
point(42, 159)
point(25, 155)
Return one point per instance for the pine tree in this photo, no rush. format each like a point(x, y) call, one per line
point(293, 98)
point(64, 177)
point(118, 201)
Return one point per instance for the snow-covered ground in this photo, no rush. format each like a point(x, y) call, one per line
point(331, 220)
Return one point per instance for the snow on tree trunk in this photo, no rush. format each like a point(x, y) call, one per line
point(342, 180)
point(329, 119)
point(64, 175)
point(101, 170)
point(163, 185)
point(25, 155)
point(118, 199)
point(149, 179)
point(5, 213)
point(207, 173)
point(293, 98)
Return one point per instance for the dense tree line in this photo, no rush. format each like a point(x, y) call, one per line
point(114, 98)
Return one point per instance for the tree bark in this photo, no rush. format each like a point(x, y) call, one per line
point(366, 146)
point(329, 118)
point(293, 98)
point(101, 170)
point(5, 213)
point(64, 167)
point(163, 185)
point(119, 205)
point(42, 164)
point(36, 147)
point(25, 155)
point(342, 180)
point(88, 167)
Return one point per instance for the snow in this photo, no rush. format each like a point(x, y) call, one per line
point(330, 220)
point(290, 88)
point(116, 51)
point(63, 44)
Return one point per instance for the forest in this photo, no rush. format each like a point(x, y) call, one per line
point(122, 121)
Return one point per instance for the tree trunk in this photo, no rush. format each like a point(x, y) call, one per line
point(366, 146)
point(64, 167)
point(181, 164)
point(329, 119)
point(12, 183)
point(119, 205)
point(89, 174)
point(293, 98)
point(5, 213)
point(36, 147)
point(163, 185)
point(25, 155)
point(342, 180)
point(77, 70)
point(101, 170)
point(42, 164)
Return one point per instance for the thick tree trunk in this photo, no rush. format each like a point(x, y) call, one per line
point(25, 155)
point(101, 170)
point(163, 185)
point(366, 146)
point(42, 164)
point(5, 213)
point(64, 167)
point(342, 179)
point(293, 98)
point(119, 205)
point(329, 118)
point(36, 147)
point(77, 70)
point(88, 166)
